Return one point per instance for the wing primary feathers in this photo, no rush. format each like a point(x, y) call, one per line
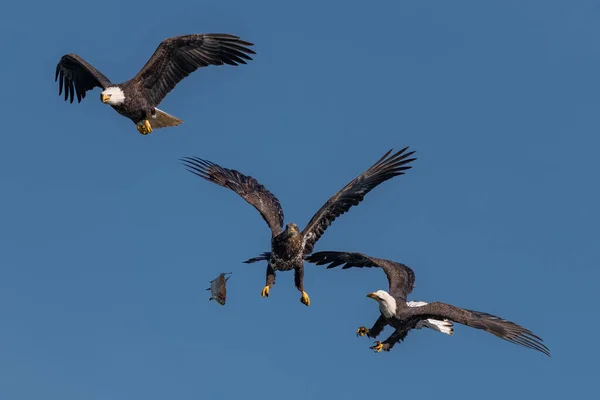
point(177, 57)
point(354, 192)
point(510, 331)
point(499, 327)
point(71, 92)
point(60, 82)
point(245, 186)
point(75, 76)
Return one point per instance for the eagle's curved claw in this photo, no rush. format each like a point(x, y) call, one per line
point(265, 292)
point(305, 299)
point(378, 346)
point(144, 127)
point(362, 331)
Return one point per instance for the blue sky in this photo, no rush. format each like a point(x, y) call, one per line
point(107, 243)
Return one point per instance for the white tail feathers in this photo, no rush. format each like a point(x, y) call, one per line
point(444, 326)
point(162, 120)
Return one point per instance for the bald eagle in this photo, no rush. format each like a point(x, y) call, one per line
point(404, 316)
point(289, 246)
point(137, 99)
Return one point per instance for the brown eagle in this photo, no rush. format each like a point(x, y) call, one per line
point(289, 246)
point(173, 60)
point(404, 316)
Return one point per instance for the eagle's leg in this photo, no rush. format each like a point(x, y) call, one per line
point(270, 281)
point(375, 330)
point(299, 281)
point(389, 342)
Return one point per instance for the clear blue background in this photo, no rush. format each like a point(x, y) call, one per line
point(107, 243)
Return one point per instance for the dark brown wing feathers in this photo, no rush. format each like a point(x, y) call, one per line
point(354, 192)
point(497, 326)
point(246, 186)
point(177, 57)
point(76, 76)
point(401, 278)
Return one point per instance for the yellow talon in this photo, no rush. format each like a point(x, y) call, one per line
point(362, 331)
point(265, 292)
point(378, 346)
point(144, 127)
point(305, 299)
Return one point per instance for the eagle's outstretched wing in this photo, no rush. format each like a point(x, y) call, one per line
point(177, 57)
point(77, 76)
point(400, 277)
point(354, 192)
point(246, 186)
point(497, 326)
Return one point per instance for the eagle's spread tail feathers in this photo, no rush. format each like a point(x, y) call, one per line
point(162, 120)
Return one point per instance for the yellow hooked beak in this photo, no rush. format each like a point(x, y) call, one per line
point(373, 296)
point(105, 97)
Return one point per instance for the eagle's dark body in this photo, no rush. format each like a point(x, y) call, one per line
point(289, 246)
point(136, 106)
point(287, 251)
point(173, 60)
point(396, 312)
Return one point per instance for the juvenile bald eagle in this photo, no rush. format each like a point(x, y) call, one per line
point(137, 99)
point(289, 246)
point(405, 316)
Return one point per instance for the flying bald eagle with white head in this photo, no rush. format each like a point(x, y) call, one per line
point(289, 246)
point(137, 99)
point(404, 316)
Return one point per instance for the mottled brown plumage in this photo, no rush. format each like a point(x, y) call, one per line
point(396, 312)
point(288, 247)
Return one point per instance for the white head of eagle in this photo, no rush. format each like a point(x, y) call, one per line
point(112, 95)
point(387, 304)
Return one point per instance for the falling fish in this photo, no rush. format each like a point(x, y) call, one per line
point(217, 288)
